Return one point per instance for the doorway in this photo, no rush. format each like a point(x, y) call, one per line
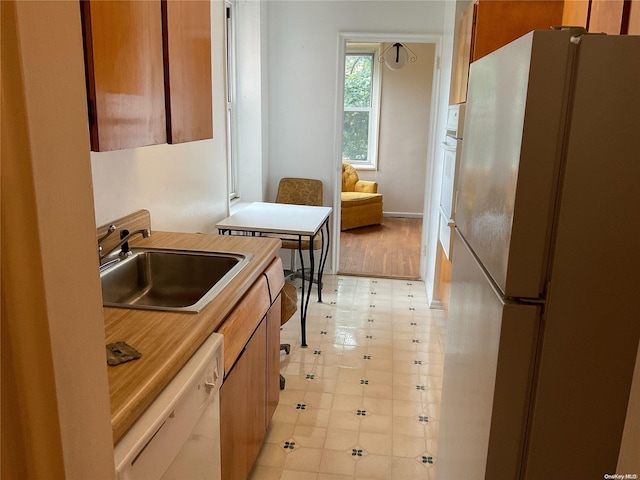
point(390, 250)
point(404, 149)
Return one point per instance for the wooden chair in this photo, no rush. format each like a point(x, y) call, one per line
point(300, 191)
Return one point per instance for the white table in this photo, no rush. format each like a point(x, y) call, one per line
point(286, 221)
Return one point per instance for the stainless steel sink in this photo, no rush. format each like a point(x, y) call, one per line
point(166, 279)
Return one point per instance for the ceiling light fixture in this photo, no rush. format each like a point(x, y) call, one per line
point(396, 56)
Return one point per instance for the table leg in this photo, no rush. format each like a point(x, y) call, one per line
point(324, 253)
point(306, 289)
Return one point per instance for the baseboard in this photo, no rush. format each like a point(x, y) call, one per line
point(402, 214)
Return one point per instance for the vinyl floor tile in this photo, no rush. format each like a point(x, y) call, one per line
point(362, 401)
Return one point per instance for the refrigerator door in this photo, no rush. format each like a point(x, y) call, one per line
point(511, 153)
point(489, 361)
point(592, 325)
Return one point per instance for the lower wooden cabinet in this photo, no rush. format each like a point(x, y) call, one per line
point(249, 396)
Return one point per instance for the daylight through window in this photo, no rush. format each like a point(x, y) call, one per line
point(360, 126)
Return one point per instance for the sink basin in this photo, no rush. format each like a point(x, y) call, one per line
point(171, 280)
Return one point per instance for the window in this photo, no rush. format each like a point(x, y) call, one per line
point(361, 105)
point(231, 94)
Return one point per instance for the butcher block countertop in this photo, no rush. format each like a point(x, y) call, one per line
point(167, 340)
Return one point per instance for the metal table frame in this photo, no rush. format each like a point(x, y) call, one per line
point(279, 220)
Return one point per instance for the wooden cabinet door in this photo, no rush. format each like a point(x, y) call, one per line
point(576, 13)
point(609, 16)
point(634, 17)
point(124, 67)
point(499, 22)
point(187, 37)
point(613, 17)
point(463, 55)
point(242, 409)
point(487, 25)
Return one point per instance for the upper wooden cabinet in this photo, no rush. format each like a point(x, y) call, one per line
point(463, 50)
point(575, 13)
point(613, 17)
point(487, 25)
point(148, 66)
point(634, 18)
point(187, 37)
point(125, 79)
point(499, 22)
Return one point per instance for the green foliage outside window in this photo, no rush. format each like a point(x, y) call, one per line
point(355, 136)
point(357, 102)
point(357, 81)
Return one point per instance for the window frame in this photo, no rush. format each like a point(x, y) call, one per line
point(373, 49)
point(231, 89)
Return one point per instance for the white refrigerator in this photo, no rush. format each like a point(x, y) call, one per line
point(544, 317)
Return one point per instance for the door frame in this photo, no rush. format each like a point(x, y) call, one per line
point(373, 37)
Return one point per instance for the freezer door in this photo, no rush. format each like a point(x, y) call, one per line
point(511, 155)
point(488, 370)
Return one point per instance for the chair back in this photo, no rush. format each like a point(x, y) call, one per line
point(349, 177)
point(300, 191)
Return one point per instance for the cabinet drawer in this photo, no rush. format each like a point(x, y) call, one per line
point(243, 320)
point(275, 276)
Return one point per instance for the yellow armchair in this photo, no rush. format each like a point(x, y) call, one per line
point(361, 204)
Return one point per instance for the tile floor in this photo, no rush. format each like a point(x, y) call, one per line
point(362, 401)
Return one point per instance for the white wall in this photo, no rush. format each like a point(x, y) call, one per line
point(183, 186)
point(303, 81)
point(251, 99)
point(303, 75)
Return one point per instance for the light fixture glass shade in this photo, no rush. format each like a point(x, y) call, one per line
point(396, 56)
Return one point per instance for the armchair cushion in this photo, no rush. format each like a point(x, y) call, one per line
point(361, 205)
point(353, 199)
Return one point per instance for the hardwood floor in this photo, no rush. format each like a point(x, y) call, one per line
point(390, 250)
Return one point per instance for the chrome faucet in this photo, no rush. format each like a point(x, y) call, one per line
point(110, 230)
point(123, 245)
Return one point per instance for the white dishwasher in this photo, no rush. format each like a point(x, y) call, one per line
point(178, 436)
